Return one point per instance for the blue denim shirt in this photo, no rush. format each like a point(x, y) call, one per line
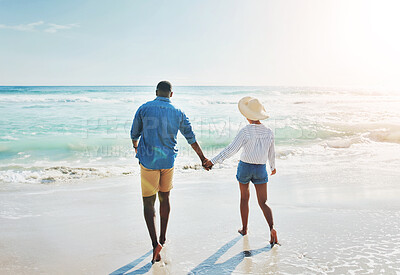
point(157, 123)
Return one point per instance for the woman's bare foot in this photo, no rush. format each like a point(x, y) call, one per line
point(274, 238)
point(156, 254)
point(242, 232)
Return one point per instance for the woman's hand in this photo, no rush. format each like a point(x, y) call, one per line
point(273, 172)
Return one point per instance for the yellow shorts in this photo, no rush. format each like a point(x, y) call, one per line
point(155, 180)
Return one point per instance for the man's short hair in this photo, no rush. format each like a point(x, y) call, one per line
point(164, 87)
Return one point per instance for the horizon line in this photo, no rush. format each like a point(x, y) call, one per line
point(289, 86)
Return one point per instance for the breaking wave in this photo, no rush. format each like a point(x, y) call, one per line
point(60, 99)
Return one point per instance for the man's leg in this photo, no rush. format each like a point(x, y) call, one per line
point(164, 214)
point(150, 216)
point(163, 195)
point(244, 206)
point(150, 181)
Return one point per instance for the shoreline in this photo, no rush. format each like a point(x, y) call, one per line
point(98, 227)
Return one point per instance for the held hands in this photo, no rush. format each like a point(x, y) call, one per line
point(207, 164)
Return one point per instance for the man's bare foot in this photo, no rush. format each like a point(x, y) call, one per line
point(274, 238)
point(156, 254)
point(242, 232)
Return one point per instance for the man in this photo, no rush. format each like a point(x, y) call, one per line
point(156, 123)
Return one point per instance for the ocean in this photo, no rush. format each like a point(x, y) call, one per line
point(52, 135)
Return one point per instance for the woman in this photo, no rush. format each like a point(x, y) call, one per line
point(258, 147)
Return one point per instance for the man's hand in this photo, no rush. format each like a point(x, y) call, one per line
point(135, 144)
point(207, 164)
point(273, 172)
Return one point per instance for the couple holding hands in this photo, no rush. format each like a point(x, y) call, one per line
point(157, 123)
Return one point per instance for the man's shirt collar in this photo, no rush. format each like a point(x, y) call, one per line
point(161, 98)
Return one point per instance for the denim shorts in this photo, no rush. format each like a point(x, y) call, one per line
point(256, 173)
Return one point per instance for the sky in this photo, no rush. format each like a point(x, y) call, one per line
point(350, 43)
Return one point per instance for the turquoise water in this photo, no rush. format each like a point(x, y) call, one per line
point(57, 134)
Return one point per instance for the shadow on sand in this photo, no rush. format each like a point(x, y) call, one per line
point(209, 265)
point(142, 270)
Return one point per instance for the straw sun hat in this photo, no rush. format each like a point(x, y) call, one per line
point(252, 108)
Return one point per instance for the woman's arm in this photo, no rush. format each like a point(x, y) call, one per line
point(231, 149)
point(271, 155)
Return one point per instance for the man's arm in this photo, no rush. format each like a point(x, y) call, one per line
point(136, 130)
point(186, 129)
point(199, 152)
point(135, 144)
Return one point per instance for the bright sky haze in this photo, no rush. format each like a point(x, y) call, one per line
point(226, 42)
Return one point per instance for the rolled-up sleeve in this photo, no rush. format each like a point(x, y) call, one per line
point(186, 129)
point(137, 126)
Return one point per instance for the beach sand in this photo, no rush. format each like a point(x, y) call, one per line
point(329, 221)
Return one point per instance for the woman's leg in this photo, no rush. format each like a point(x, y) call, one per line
point(244, 206)
point(261, 190)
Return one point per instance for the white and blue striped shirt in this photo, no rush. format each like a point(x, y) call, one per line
point(257, 141)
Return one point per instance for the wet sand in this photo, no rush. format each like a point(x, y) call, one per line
point(327, 222)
